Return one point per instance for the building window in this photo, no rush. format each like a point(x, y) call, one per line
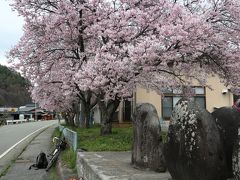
point(171, 97)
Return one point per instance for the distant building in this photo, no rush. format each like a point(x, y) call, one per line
point(25, 112)
point(34, 112)
point(29, 111)
point(9, 112)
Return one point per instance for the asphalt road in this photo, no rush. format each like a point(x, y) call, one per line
point(12, 134)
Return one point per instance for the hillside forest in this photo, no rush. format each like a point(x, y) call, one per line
point(13, 88)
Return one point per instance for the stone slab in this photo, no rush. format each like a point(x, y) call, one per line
point(113, 166)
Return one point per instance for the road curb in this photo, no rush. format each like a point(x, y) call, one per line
point(11, 155)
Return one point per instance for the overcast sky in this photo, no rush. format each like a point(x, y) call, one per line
point(10, 29)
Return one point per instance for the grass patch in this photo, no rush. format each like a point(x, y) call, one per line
point(120, 139)
point(68, 157)
point(90, 139)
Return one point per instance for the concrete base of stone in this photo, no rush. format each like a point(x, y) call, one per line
point(112, 166)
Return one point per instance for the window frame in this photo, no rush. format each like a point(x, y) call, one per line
point(172, 95)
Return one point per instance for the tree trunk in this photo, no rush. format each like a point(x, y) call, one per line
point(65, 118)
point(85, 116)
point(71, 122)
point(87, 110)
point(82, 116)
point(69, 118)
point(107, 114)
point(106, 124)
point(88, 101)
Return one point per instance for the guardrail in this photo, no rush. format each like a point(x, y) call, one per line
point(70, 135)
point(16, 121)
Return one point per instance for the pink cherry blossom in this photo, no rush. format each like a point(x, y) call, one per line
point(109, 47)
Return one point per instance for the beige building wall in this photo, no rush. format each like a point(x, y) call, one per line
point(217, 97)
point(148, 96)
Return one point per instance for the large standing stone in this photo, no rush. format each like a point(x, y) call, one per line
point(236, 157)
point(227, 119)
point(147, 140)
point(193, 150)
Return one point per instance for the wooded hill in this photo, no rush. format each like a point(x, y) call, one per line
point(13, 88)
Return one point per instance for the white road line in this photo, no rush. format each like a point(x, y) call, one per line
point(7, 151)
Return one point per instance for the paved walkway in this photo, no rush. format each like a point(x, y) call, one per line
point(19, 170)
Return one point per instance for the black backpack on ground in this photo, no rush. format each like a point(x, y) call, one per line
point(41, 161)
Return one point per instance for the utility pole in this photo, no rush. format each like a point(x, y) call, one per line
point(35, 111)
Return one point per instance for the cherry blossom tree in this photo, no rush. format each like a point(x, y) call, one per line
point(58, 36)
point(51, 50)
point(107, 47)
point(163, 44)
point(53, 97)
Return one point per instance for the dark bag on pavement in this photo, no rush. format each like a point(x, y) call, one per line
point(41, 161)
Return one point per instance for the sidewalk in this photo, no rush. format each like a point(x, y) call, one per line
point(19, 170)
